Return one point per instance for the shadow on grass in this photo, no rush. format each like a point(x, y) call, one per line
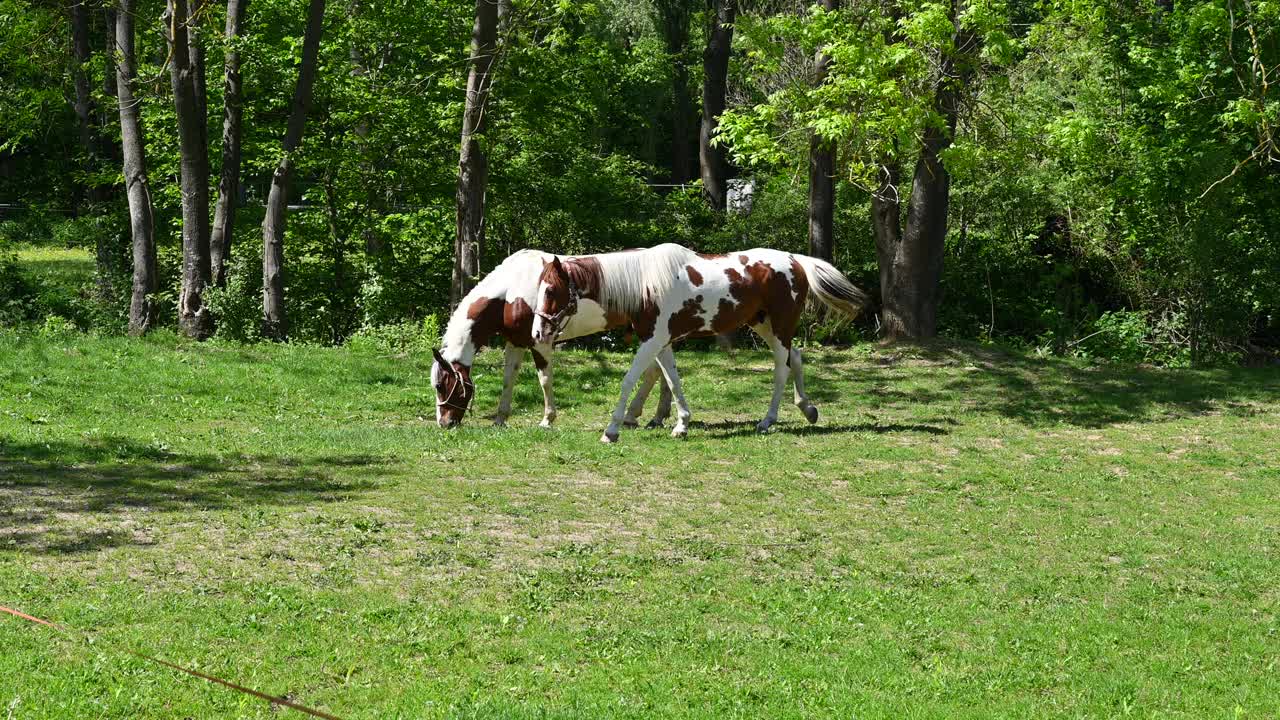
point(1052, 391)
point(55, 497)
point(735, 428)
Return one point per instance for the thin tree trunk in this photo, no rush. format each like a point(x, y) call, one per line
point(142, 310)
point(473, 165)
point(224, 212)
point(193, 317)
point(715, 68)
point(673, 21)
point(822, 170)
point(84, 102)
point(273, 309)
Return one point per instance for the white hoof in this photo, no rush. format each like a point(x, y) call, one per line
point(608, 439)
point(679, 431)
point(545, 424)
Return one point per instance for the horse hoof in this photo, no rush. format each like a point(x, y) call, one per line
point(679, 431)
point(630, 424)
point(499, 422)
point(654, 424)
point(545, 424)
point(763, 426)
point(810, 413)
point(608, 439)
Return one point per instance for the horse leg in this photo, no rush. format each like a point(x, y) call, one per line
point(781, 355)
point(667, 361)
point(514, 356)
point(636, 408)
point(797, 378)
point(542, 359)
point(663, 411)
point(645, 356)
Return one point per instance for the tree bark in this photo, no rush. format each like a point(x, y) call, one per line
point(83, 105)
point(715, 69)
point(193, 317)
point(673, 21)
point(273, 309)
point(472, 162)
point(142, 309)
point(822, 170)
point(224, 212)
point(911, 264)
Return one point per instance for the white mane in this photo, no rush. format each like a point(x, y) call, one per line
point(518, 274)
point(628, 278)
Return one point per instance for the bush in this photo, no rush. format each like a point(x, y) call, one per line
point(405, 338)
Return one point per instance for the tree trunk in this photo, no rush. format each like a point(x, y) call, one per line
point(84, 102)
point(822, 170)
point(673, 21)
point(142, 310)
point(273, 313)
point(193, 317)
point(472, 162)
point(715, 68)
point(195, 55)
point(224, 212)
point(911, 265)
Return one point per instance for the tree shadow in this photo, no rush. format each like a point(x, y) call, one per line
point(1053, 391)
point(56, 496)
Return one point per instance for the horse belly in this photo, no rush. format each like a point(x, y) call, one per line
point(589, 320)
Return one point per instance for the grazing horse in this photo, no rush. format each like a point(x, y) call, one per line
point(670, 292)
point(502, 303)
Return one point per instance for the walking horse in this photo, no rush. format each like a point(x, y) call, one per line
point(669, 292)
point(502, 304)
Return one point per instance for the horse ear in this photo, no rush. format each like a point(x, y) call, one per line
point(556, 265)
point(440, 359)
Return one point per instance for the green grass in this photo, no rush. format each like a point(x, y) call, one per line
point(964, 534)
point(56, 266)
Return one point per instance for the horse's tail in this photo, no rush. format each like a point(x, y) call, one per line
point(832, 288)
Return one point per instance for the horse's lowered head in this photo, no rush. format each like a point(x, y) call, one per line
point(454, 390)
point(556, 302)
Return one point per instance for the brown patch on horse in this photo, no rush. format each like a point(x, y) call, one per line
point(688, 320)
point(487, 319)
point(783, 310)
point(539, 361)
point(646, 319)
point(517, 323)
point(585, 273)
point(743, 259)
point(695, 277)
point(745, 290)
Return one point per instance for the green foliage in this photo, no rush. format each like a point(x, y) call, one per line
point(406, 338)
point(1146, 129)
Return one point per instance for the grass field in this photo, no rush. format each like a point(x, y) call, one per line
point(964, 534)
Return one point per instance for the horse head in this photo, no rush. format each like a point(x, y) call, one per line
point(454, 390)
point(556, 302)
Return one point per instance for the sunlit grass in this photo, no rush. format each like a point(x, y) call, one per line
point(964, 534)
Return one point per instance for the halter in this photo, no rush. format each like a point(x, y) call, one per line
point(569, 309)
point(463, 383)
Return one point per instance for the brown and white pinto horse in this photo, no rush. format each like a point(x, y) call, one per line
point(502, 304)
point(670, 292)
